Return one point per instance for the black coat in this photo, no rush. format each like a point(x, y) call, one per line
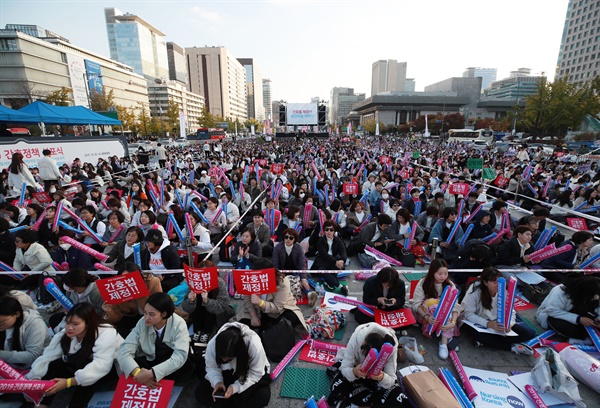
point(7, 248)
point(372, 290)
point(325, 261)
point(73, 256)
point(510, 253)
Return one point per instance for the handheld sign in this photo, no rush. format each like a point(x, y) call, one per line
point(122, 288)
point(255, 282)
point(201, 279)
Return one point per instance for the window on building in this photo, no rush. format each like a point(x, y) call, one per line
point(8, 44)
point(63, 57)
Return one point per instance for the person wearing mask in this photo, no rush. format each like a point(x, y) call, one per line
point(79, 356)
point(65, 252)
point(162, 256)
point(237, 370)
point(49, 171)
point(384, 291)
point(331, 256)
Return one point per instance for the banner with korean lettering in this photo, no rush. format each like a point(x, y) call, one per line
point(316, 356)
point(302, 113)
point(42, 197)
point(77, 75)
point(201, 279)
point(350, 188)
point(394, 318)
point(277, 168)
point(255, 282)
point(460, 188)
point(122, 288)
point(577, 223)
point(130, 394)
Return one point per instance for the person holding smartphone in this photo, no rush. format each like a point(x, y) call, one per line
point(384, 291)
point(237, 370)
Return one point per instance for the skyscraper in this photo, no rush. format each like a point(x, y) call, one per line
point(254, 94)
point(177, 67)
point(388, 75)
point(488, 75)
point(578, 57)
point(215, 74)
point(341, 102)
point(267, 98)
point(133, 41)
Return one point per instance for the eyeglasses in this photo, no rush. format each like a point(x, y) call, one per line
point(329, 229)
point(288, 237)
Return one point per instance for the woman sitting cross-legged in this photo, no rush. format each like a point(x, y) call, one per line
point(384, 291)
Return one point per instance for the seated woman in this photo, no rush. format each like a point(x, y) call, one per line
point(200, 236)
point(158, 345)
point(247, 250)
point(265, 310)
point(350, 384)
point(115, 220)
point(79, 356)
point(331, 256)
point(581, 242)
point(125, 315)
point(355, 218)
point(237, 369)
point(291, 219)
point(289, 255)
point(30, 256)
point(480, 306)
point(122, 252)
point(441, 231)
point(426, 299)
point(398, 233)
point(384, 291)
point(514, 253)
point(481, 225)
point(572, 306)
point(65, 252)
point(211, 312)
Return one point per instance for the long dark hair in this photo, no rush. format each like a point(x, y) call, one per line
point(78, 278)
point(85, 312)
point(388, 275)
point(489, 274)
point(583, 292)
point(429, 280)
point(230, 344)
point(10, 306)
point(375, 340)
point(16, 163)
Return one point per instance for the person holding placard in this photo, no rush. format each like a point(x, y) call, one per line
point(79, 356)
point(580, 242)
point(122, 251)
point(442, 231)
point(384, 291)
point(480, 306)
point(572, 306)
point(237, 370)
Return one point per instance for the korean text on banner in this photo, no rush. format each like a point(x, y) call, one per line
point(139, 395)
point(122, 288)
point(394, 318)
point(255, 282)
point(201, 279)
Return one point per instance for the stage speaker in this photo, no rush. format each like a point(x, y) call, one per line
point(322, 115)
point(282, 116)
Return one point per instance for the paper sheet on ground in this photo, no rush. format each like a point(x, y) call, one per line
point(482, 329)
point(531, 278)
point(521, 380)
point(103, 399)
point(494, 390)
point(335, 305)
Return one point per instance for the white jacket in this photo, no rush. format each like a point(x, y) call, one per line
point(36, 258)
point(24, 176)
point(558, 305)
point(474, 310)
point(34, 338)
point(104, 355)
point(48, 169)
point(259, 365)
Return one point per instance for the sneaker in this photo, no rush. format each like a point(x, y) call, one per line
point(312, 298)
point(443, 351)
point(576, 342)
point(521, 348)
point(344, 290)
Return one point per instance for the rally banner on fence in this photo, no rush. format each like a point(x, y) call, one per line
point(255, 282)
point(201, 279)
point(130, 393)
point(394, 318)
point(122, 288)
point(460, 188)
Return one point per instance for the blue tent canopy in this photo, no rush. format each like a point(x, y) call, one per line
point(14, 116)
point(67, 115)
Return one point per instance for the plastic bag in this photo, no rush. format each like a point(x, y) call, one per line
point(179, 292)
point(550, 375)
point(412, 349)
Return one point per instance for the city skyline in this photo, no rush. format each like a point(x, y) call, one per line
point(327, 44)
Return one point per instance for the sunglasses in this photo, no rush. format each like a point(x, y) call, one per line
point(329, 229)
point(288, 237)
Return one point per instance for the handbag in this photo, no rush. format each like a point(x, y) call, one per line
point(278, 340)
point(324, 323)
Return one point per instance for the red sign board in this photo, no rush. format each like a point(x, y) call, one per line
point(262, 162)
point(122, 288)
point(394, 318)
point(502, 181)
point(577, 223)
point(25, 203)
point(322, 357)
point(350, 188)
point(277, 168)
point(385, 159)
point(130, 393)
point(460, 188)
point(201, 279)
point(522, 304)
point(559, 154)
point(255, 282)
point(42, 198)
point(404, 174)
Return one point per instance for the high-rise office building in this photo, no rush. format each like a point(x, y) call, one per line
point(254, 84)
point(267, 98)
point(135, 42)
point(218, 76)
point(341, 102)
point(388, 75)
point(519, 84)
point(177, 67)
point(488, 75)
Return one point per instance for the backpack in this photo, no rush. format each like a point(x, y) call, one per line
point(43, 297)
point(324, 323)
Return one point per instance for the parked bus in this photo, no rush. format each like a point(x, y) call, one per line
point(468, 135)
point(206, 133)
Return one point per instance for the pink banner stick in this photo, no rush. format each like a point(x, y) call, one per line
point(542, 250)
point(552, 252)
point(462, 375)
point(188, 224)
point(116, 233)
point(100, 267)
point(383, 256)
point(85, 248)
point(350, 301)
point(321, 345)
point(369, 360)
point(534, 396)
point(446, 311)
point(39, 221)
point(199, 195)
point(498, 237)
point(384, 355)
point(287, 359)
point(34, 390)
point(59, 208)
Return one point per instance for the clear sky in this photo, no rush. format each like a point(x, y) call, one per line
point(308, 47)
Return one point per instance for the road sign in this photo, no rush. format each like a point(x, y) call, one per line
point(223, 125)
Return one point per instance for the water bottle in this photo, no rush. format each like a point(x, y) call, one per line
point(322, 291)
point(318, 289)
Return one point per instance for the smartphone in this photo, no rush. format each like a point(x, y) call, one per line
point(388, 301)
point(219, 394)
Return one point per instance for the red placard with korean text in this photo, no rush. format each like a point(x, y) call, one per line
point(350, 188)
point(322, 357)
point(200, 279)
point(522, 304)
point(42, 198)
point(25, 203)
point(122, 288)
point(460, 188)
point(559, 154)
point(132, 394)
point(385, 160)
point(277, 168)
point(394, 318)
point(577, 223)
point(255, 282)
point(262, 162)
point(502, 181)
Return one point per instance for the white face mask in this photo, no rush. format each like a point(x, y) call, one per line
point(302, 195)
point(52, 190)
point(385, 196)
point(65, 246)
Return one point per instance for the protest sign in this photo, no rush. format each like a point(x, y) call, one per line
point(122, 288)
point(255, 282)
point(201, 279)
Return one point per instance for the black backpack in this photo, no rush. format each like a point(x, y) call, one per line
point(44, 297)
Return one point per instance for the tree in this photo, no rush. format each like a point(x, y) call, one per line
point(61, 97)
point(127, 117)
point(144, 121)
point(101, 101)
point(257, 125)
point(454, 121)
point(171, 118)
point(207, 119)
point(369, 125)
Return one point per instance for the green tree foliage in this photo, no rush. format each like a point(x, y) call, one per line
point(257, 125)
point(127, 117)
point(61, 97)
point(101, 101)
point(207, 119)
point(171, 117)
point(369, 125)
point(143, 120)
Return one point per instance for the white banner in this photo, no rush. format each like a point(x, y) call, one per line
point(64, 150)
point(302, 114)
point(182, 129)
point(77, 75)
